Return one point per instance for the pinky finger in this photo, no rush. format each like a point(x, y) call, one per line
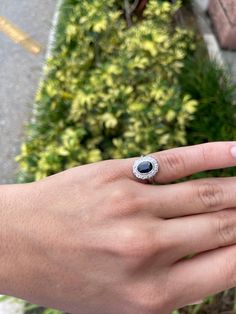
point(203, 275)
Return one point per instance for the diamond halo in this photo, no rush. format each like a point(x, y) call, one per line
point(148, 175)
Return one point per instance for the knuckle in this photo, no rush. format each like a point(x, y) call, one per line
point(137, 243)
point(118, 195)
point(125, 201)
point(210, 195)
point(106, 172)
point(151, 305)
point(225, 228)
point(147, 299)
point(174, 161)
point(138, 205)
point(204, 151)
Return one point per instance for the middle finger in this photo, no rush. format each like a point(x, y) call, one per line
point(188, 198)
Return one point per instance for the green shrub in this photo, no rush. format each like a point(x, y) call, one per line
point(210, 85)
point(215, 117)
point(110, 91)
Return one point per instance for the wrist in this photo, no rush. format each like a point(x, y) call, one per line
point(15, 261)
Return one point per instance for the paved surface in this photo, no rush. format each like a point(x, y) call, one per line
point(19, 75)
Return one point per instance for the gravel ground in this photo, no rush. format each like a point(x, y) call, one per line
point(19, 75)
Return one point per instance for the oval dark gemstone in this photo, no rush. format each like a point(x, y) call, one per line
point(145, 167)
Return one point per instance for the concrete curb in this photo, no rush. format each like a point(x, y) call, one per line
point(49, 50)
point(52, 35)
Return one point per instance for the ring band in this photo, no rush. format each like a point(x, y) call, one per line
point(145, 167)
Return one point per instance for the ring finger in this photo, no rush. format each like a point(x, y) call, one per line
point(180, 162)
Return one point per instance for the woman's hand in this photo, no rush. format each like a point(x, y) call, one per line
point(93, 239)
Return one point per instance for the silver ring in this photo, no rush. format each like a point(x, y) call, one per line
point(146, 167)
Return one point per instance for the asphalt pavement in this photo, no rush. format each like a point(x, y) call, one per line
point(20, 72)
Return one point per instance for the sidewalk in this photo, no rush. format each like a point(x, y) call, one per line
point(19, 75)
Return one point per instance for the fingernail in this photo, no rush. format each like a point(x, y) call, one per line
point(233, 151)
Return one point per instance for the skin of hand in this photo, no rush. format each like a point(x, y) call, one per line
point(93, 239)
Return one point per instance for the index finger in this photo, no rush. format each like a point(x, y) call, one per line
point(180, 162)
